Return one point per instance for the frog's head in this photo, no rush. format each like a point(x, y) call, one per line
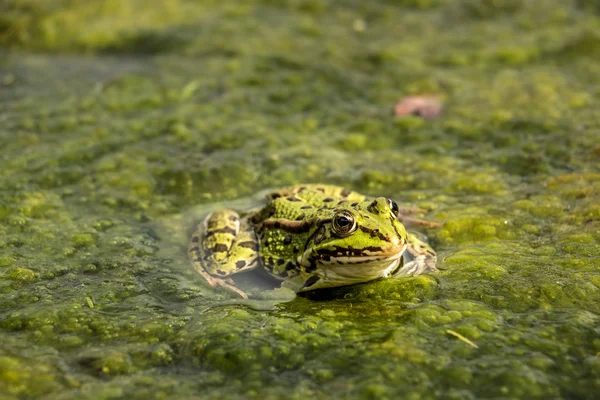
point(358, 242)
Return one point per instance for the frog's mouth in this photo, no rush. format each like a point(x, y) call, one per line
point(340, 269)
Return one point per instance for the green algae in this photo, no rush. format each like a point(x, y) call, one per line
point(119, 117)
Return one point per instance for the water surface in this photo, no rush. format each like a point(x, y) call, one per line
point(121, 122)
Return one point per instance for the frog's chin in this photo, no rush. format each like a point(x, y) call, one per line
point(359, 269)
point(342, 271)
point(359, 261)
point(309, 258)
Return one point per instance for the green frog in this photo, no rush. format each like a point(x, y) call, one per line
point(310, 237)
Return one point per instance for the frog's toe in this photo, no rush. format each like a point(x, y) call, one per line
point(419, 265)
point(228, 281)
point(229, 285)
point(408, 269)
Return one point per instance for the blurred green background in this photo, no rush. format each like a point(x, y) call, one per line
point(123, 121)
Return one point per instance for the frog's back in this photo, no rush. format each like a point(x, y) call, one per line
point(303, 202)
point(318, 195)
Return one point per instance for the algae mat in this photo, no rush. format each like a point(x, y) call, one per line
point(122, 121)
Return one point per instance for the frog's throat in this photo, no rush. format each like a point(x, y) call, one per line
point(366, 260)
point(348, 274)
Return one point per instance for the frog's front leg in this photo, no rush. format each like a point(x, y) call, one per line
point(223, 245)
point(424, 257)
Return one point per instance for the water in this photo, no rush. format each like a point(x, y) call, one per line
point(116, 136)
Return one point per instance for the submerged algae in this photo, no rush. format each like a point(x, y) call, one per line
point(111, 135)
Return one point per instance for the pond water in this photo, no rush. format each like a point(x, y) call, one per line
point(123, 122)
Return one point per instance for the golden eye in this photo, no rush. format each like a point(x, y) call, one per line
point(393, 207)
point(344, 223)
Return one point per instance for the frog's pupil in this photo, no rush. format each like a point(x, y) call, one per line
point(343, 221)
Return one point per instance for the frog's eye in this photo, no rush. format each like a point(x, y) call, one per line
point(393, 207)
point(344, 223)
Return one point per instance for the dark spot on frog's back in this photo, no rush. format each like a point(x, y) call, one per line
point(240, 264)
point(280, 261)
point(346, 192)
point(327, 200)
point(287, 239)
point(233, 218)
point(220, 248)
point(292, 198)
point(305, 207)
point(290, 266)
point(300, 217)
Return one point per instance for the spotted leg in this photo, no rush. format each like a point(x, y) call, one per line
point(223, 245)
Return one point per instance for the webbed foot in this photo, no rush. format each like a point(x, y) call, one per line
point(424, 257)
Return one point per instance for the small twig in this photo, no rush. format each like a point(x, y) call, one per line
point(461, 338)
point(418, 221)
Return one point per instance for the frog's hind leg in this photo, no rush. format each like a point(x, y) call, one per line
point(223, 245)
point(424, 257)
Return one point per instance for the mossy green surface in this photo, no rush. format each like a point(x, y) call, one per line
point(123, 121)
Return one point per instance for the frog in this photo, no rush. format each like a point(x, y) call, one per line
point(311, 237)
